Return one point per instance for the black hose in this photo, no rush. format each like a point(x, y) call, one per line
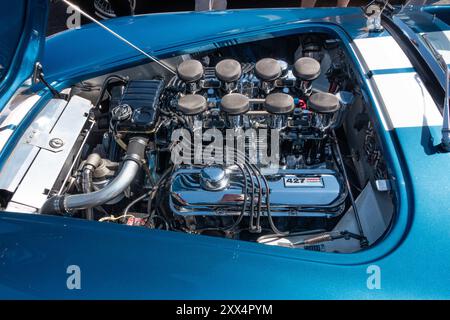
point(257, 173)
point(86, 186)
point(244, 204)
point(256, 228)
point(363, 241)
point(252, 187)
point(132, 203)
point(154, 192)
point(105, 86)
point(66, 204)
point(92, 162)
point(269, 214)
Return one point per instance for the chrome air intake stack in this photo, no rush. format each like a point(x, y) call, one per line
point(191, 72)
point(306, 70)
point(325, 107)
point(234, 106)
point(229, 72)
point(279, 105)
point(192, 107)
point(268, 70)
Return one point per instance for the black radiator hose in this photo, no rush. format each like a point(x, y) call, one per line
point(66, 204)
point(92, 162)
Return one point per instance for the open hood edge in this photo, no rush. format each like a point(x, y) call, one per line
point(29, 47)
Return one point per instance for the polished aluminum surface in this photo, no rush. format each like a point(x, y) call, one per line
point(59, 120)
point(306, 199)
point(214, 178)
point(24, 153)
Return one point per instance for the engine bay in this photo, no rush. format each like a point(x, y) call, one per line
point(269, 141)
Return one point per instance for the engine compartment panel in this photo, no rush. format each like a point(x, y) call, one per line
point(268, 141)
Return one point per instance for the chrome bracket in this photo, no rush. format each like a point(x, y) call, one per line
point(45, 141)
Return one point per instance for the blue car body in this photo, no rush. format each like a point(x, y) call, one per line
point(122, 262)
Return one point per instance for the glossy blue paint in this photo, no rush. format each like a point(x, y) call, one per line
point(23, 35)
point(10, 32)
point(123, 262)
point(422, 19)
point(160, 35)
point(442, 12)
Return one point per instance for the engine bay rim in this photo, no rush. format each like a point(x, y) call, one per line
point(388, 138)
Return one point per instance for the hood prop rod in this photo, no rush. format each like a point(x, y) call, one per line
point(38, 76)
point(362, 238)
point(161, 63)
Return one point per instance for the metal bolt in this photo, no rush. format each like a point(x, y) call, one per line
point(56, 143)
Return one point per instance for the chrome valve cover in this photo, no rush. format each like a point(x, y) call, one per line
point(293, 192)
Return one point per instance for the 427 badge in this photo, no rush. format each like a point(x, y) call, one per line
point(291, 181)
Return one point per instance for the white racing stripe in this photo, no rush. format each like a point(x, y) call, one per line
point(382, 53)
point(406, 99)
point(408, 102)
